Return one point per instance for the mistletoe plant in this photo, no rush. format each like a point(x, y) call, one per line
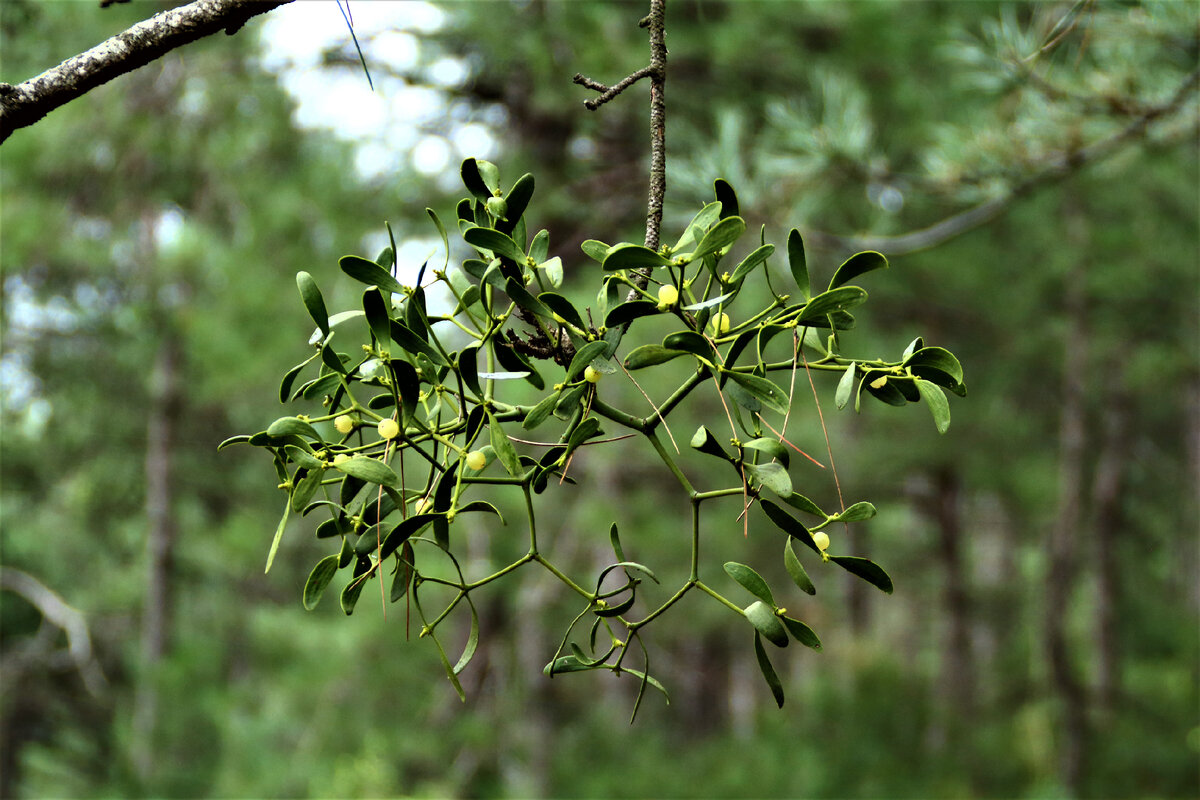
point(410, 422)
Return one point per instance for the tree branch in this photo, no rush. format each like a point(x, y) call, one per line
point(26, 103)
point(1056, 169)
point(58, 613)
point(657, 73)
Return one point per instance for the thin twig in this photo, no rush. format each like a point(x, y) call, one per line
point(658, 413)
point(824, 430)
point(609, 92)
point(657, 73)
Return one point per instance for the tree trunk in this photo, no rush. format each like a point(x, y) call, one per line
point(1106, 500)
point(160, 550)
point(958, 670)
point(1063, 541)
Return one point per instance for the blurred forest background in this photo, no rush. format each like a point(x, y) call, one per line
point(1042, 640)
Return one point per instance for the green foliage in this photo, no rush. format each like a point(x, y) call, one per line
point(410, 423)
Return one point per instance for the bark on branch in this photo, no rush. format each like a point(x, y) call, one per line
point(26, 103)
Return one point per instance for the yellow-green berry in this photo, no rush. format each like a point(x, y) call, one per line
point(340, 458)
point(476, 460)
point(592, 375)
point(344, 423)
point(821, 540)
point(389, 428)
point(720, 324)
point(668, 296)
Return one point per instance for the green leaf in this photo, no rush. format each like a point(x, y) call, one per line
point(539, 413)
point(404, 573)
point(285, 426)
point(771, 395)
point(315, 388)
point(539, 248)
point(770, 447)
point(490, 174)
point(771, 475)
point(403, 531)
point(885, 391)
point(798, 263)
point(375, 307)
point(627, 312)
point(370, 273)
point(241, 438)
point(869, 571)
point(838, 299)
point(512, 361)
point(313, 301)
point(705, 442)
point(287, 510)
point(503, 447)
point(726, 197)
point(788, 524)
point(632, 256)
point(689, 341)
point(474, 181)
point(387, 256)
point(441, 229)
point(554, 271)
point(703, 220)
point(802, 633)
point(935, 364)
point(472, 640)
point(482, 506)
point(370, 470)
point(468, 368)
point(495, 241)
point(709, 303)
point(743, 398)
point(935, 398)
point(751, 261)
point(845, 387)
point(763, 618)
point(751, 581)
point(350, 594)
point(796, 569)
point(719, 236)
point(768, 671)
point(306, 488)
point(571, 664)
point(802, 503)
point(333, 360)
point(318, 579)
point(585, 430)
point(595, 249)
point(285, 386)
point(408, 385)
point(413, 344)
point(584, 356)
point(522, 297)
point(518, 200)
point(856, 265)
point(562, 306)
point(739, 344)
point(649, 355)
point(859, 511)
